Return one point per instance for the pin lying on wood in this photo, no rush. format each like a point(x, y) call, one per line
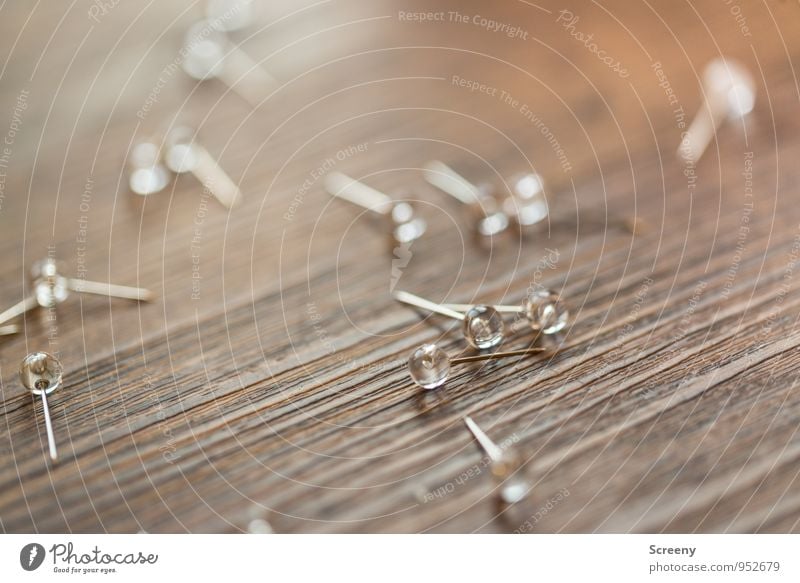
point(483, 326)
point(181, 153)
point(544, 310)
point(41, 374)
point(211, 55)
point(429, 365)
point(404, 224)
point(51, 288)
point(505, 465)
point(729, 92)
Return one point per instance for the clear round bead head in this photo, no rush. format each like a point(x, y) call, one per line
point(429, 366)
point(40, 372)
point(483, 327)
point(546, 312)
point(406, 225)
point(181, 153)
point(148, 173)
point(49, 287)
point(527, 203)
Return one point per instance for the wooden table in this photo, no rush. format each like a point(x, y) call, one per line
point(268, 378)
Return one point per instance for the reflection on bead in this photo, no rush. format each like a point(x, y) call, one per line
point(429, 366)
point(483, 327)
point(40, 372)
point(545, 311)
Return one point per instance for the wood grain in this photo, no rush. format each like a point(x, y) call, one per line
point(276, 386)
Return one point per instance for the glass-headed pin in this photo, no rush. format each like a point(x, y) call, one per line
point(729, 92)
point(429, 366)
point(211, 55)
point(544, 310)
point(50, 287)
point(151, 164)
point(41, 374)
point(405, 225)
point(483, 326)
point(505, 465)
point(484, 210)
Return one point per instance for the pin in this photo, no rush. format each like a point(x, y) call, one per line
point(505, 466)
point(483, 326)
point(210, 55)
point(405, 225)
point(51, 288)
point(729, 93)
point(483, 208)
point(150, 166)
point(429, 365)
point(544, 310)
point(41, 373)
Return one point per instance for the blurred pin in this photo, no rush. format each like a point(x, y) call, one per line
point(505, 464)
point(488, 219)
point(51, 288)
point(483, 327)
point(405, 225)
point(729, 93)
point(41, 374)
point(527, 203)
point(151, 165)
point(210, 55)
point(184, 154)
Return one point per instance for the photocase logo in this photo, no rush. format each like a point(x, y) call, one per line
point(31, 556)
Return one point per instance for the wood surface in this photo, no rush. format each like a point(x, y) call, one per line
point(276, 387)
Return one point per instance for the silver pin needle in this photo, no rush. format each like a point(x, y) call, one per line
point(729, 93)
point(18, 309)
point(342, 186)
point(109, 289)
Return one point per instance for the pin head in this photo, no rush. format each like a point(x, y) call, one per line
point(483, 327)
point(205, 50)
point(49, 287)
point(406, 225)
point(545, 311)
point(148, 173)
point(728, 80)
point(506, 470)
point(429, 366)
point(40, 372)
point(527, 204)
point(181, 155)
